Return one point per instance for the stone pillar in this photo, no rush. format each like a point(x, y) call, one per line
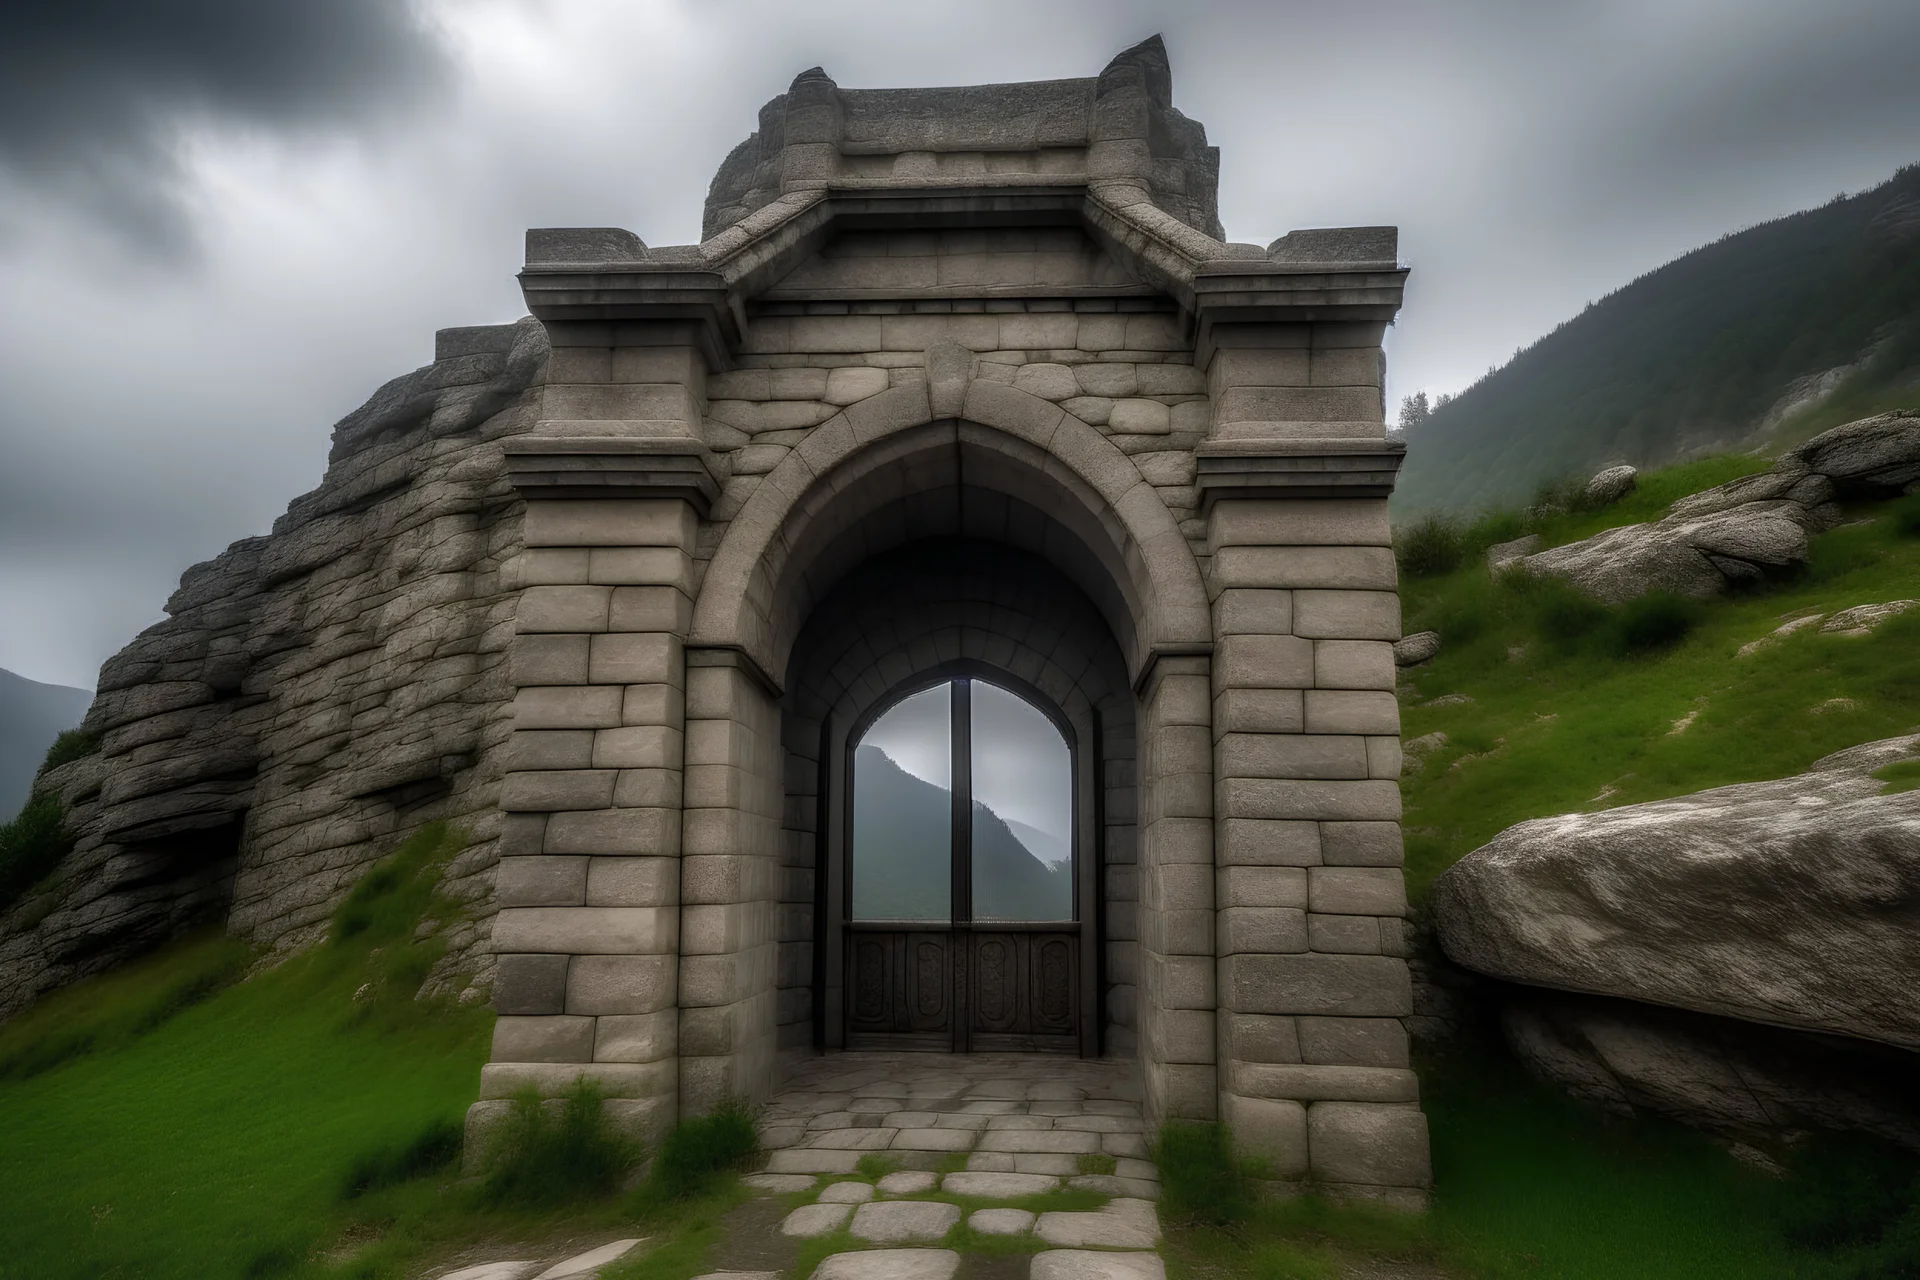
point(1176, 911)
point(589, 881)
point(1313, 981)
point(730, 882)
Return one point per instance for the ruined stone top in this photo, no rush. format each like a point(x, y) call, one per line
point(1120, 125)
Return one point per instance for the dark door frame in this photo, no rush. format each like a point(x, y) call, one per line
point(840, 738)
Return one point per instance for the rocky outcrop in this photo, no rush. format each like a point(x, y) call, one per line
point(1415, 649)
point(1793, 903)
point(1609, 486)
point(312, 694)
point(1503, 554)
point(1730, 1077)
point(1748, 529)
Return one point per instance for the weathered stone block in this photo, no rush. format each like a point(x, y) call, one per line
point(1359, 891)
point(549, 659)
point(1345, 568)
point(1300, 522)
point(1307, 1082)
point(530, 985)
point(636, 658)
point(1351, 711)
point(622, 984)
point(643, 522)
point(1369, 1144)
point(557, 790)
point(1268, 842)
point(632, 882)
point(1347, 615)
point(1270, 1130)
point(1259, 711)
point(650, 746)
point(1352, 664)
point(1344, 935)
point(615, 831)
point(557, 1038)
point(1258, 1037)
point(650, 608)
point(1263, 662)
point(586, 930)
point(541, 882)
point(1250, 611)
point(551, 1079)
point(643, 1037)
point(550, 749)
point(1360, 1042)
point(1361, 844)
point(1262, 887)
point(1292, 755)
point(567, 609)
point(1363, 800)
point(575, 707)
point(1346, 986)
point(1261, 931)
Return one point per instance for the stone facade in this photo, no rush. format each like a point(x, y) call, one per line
point(959, 379)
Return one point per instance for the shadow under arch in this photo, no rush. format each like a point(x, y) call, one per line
point(1009, 468)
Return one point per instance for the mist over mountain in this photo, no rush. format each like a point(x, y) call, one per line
point(1769, 334)
point(902, 828)
point(32, 715)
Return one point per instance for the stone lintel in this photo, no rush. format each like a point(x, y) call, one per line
point(1302, 469)
point(613, 467)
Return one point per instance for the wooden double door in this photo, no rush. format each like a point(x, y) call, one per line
point(965, 928)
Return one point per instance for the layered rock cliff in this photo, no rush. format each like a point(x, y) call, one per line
point(312, 695)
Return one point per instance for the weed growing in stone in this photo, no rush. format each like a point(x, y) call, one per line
point(550, 1152)
point(701, 1152)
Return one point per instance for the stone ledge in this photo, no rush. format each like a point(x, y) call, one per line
point(613, 467)
point(1306, 469)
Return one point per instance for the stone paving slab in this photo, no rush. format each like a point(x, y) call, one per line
point(811, 1220)
point(890, 1264)
point(778, 1183)
point(904, 1221)
point(582, 1263)
point(494, 1271)
point(1073, 1264)
point(1108, 1184)
point(1122, 1224)
point(846, 1193)
point(907, 1182)
point(1001, 1222)
point(998, 1186)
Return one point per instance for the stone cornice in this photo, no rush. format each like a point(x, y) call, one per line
point(555, 466)
point(1296, 469)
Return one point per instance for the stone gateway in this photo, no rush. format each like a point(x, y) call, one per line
point(951, 606)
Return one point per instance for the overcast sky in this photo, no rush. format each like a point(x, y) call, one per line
point(224, 222)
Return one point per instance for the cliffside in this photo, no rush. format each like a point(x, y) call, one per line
point(312, 694)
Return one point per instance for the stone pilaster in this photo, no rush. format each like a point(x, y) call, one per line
point(1176, 911)
point(730, 882)
point(1313, 981)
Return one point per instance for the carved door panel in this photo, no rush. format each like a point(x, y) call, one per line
point(1025, 991)
point(900, 989)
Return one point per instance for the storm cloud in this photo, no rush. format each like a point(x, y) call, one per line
point(94, 93)
point(223, 223)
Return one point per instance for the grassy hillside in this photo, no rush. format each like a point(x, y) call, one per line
point(1692, 356)
point(1549, 703)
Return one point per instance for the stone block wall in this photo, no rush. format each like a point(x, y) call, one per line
point(589, 931)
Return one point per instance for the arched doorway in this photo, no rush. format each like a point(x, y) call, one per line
point(963, 888)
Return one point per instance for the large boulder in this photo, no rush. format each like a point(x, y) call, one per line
point(1689, 557)
point(1609, 486)
point(1794, 903)
point(1742, 531)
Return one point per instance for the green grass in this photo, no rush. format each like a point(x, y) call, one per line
point(163, 1122)
point(1577, 706)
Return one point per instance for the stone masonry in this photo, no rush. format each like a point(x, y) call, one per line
point(957, 380)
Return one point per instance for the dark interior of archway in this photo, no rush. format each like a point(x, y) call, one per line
point(906, 611)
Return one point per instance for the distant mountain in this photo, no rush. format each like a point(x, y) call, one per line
point(1043, 845)
point(32, 715)
point(902, 826)
point(1775, 332)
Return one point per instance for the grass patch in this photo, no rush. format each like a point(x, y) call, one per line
point(1575, 705)
point(1098, 1163)
point(1201, 1180)
point(554, 1152)
point(1902, 775)
point(872, 1168)
point(111, 1012)
point(431, 1150)
point(31, 845)
point(71, 745)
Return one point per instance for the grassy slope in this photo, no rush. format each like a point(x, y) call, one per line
point(208, 1144)
point(1693, 354)
point(1557, 728)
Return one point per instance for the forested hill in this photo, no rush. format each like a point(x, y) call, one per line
point(1786, 328)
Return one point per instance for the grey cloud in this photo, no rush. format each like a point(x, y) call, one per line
point(93, 92)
